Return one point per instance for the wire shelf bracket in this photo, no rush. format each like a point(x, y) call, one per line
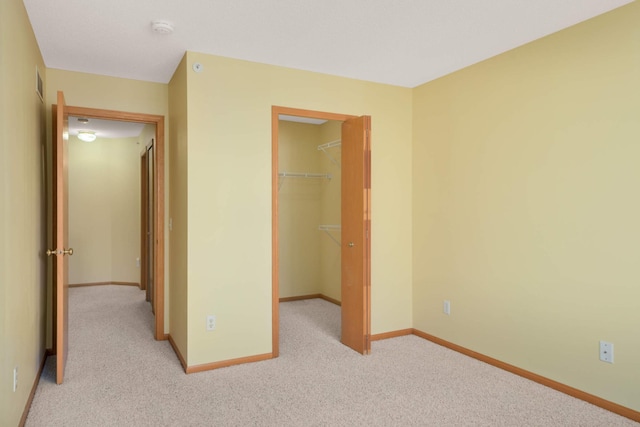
point(325, 147)
point(327, 229)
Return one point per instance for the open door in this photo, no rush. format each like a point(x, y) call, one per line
point(356, 242)
point(60, 234)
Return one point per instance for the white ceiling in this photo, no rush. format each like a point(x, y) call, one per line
point(399, 42)
point(106, 128)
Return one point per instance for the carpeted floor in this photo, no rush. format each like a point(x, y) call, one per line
point(117, 375)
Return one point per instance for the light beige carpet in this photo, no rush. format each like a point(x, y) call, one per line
point(117, 375)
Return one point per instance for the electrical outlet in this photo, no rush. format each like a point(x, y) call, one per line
point(446, 307)
point(606, 351)
point(211, 323)
point(15, 378)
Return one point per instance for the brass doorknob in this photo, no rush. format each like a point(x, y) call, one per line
point(67, 251)
point(51, 252)
point(351, 244)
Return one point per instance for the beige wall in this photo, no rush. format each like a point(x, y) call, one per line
point(526, 209)
point(22, 205)
point(104, 209)
point(178, 190)
point(111, 93)
point(229, 208)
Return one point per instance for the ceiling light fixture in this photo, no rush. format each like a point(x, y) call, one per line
point(83, 120)
point(86, 136)
point(161, 27)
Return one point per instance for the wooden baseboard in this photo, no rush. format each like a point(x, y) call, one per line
point(563, 388)
point(27, 406)
point(183, 362)
point(331, 300)
point(299, 298)
point(227, 363)
point(80, 285)
point(392, 334)
point(310, 296)
point(215, 365)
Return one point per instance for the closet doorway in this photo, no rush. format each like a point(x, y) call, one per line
point(349, 229)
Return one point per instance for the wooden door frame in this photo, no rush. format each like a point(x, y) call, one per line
point(159, 202)
point(276, 111)
point(144, 220)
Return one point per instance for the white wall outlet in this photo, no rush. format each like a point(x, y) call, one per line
point(606, 351)
point(211, 322)
point(15, 378)
point(446, 307)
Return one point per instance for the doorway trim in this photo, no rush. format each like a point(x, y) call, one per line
point(276, 111)
point(159, 197)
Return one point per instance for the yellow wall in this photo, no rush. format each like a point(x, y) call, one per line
point(309, 259)
point(22, 205)
point(503, 187)
point(111, 93)
point(177, 255)
point(330, 273)
point(299, 209)
point(525, 212)
point(104, 210)
point(229, 208)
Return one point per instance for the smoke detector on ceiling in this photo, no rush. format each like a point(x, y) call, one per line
point(162, 27)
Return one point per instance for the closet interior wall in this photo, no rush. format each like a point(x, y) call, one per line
point(309, 257)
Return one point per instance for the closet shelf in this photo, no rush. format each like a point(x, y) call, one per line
point(301, 175)
point(324, 147)
point(327, 228)
point(304, 175)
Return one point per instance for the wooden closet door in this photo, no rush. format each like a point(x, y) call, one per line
point(356, 229)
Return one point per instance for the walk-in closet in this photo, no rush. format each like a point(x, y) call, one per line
point(309, 182)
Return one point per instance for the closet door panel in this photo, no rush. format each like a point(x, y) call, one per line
point(356, 241)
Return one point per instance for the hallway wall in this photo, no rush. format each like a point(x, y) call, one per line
point(104, 210)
